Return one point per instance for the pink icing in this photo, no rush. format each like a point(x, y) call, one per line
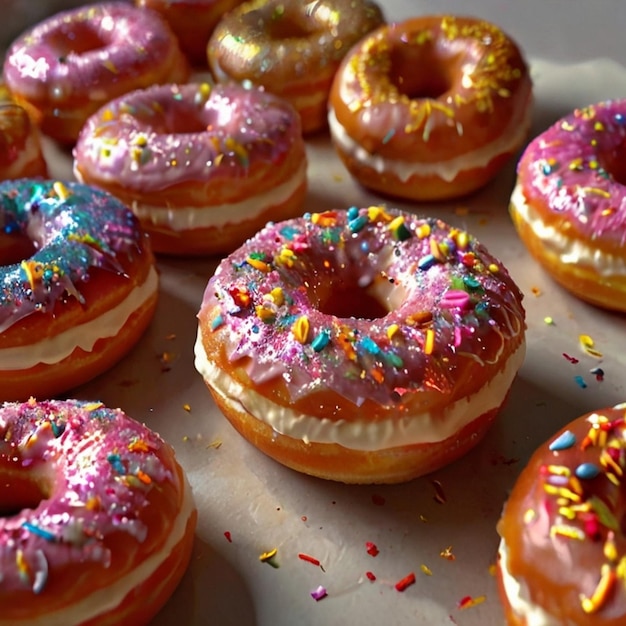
point(576, 169)
point(446, 298)
point(154, 138)
point(100, 466)
point(76, 53)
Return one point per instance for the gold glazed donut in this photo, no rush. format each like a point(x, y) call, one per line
point(430, 108)
point(293, 49)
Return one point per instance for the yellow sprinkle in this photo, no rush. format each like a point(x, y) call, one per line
point(300, 329)
point(392, 329)
point(215, 444)
point(423, 231)
point(559, 470)
point(205, 90)
point(493, 268)
point(111, 66)
point(266, 556)
point(567, 512)
point(20, 561)
point(61, 190)
point(286, 257)
point(529, 516)
point(93, 504)
point(548, 320)
point(597, 191)
point(429, 342)
point(426, 570)
point(462, 240)
point(571, 532)
point(187, 407)
point(601, 592)
point(446, 553)
point(587, 345)
point(277, 296)
point(610, 549)
point(264, 313)
point(375, 213)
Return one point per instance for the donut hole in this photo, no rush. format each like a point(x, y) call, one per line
point(80, 39)
point(614, 162)
point(416, 84)
point(15, 247)
point(346, 297)
point(288, 27)
point(20, 490)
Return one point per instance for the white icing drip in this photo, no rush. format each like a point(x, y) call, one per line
point(530, 614)
point(413, 429)
point(512, 137)
point(569, 251)
point(187, 218)
point(103, 600)
point(55, 349)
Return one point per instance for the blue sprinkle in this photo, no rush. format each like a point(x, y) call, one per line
point(580, 381)
point(547, 169)
point(116, 463)
point(470, 282)
point(353, 213)
point(321, 341)
point(40, 532)
point(365, 247)
point(369, 345)
point(564, 441)
point(426, 262)
point(389, 135)
point(587, 471)
point(357, 224)
point(289, 232)
point(620, 118)
point(57, 429)
point(217, 322)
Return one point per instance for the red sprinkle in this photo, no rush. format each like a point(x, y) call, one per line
point(370, 576)
point(407, 581)
point(571, 359)
point(371, 548)
point(378, 500)
point(308, 558)
point(228, 536)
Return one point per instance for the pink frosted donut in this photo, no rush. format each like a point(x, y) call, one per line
point(69, 65)
point(97, 518)
point(569, 204)
point(364, 345)
point(203, 168)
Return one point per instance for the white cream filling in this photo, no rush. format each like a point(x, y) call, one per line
point(107, 599)
point(187, 218)
point(531, 614)
point(512, 137)
point(55, 349)
point(412, 429)
point(568, 250)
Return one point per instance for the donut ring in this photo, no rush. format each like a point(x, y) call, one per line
point(562, 557)
point(20, 146)
point(569, 203)
point(293, 49)
point(66, 67)
point(363, 345)
point(73, 306)
point(430, 108)
point(203, 168)
point(192, 21)
point(98, 517)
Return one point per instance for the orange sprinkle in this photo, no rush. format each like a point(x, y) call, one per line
point(258, 264)
point(468, 602)
point(601, 592)
point(138, 445)
point(143, 477)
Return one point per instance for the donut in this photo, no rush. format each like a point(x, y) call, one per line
point(562, 555)
point(293, 49)
point(66, 67)
point(569, 203)
point(98, 516)
point(192, 21)
point(362, 345)
point(77, 285)
point(430, 108)
point(203, 168)
point(21, 155)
